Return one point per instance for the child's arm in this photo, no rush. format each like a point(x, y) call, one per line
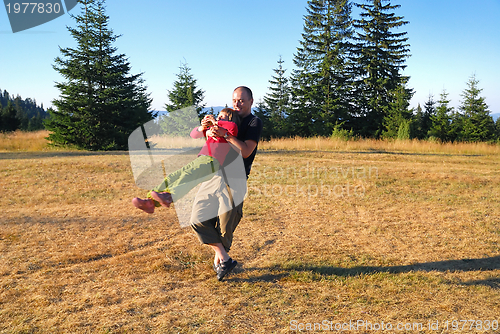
point(201, 130)
point(198, 132)
point(229, 126)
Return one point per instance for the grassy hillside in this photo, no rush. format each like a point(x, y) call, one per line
point(404, 236)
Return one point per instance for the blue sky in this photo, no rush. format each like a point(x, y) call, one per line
point(228, 43)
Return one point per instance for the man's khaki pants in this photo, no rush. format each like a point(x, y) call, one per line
point(214, 217)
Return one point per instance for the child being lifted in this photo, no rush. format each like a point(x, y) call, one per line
point(201, 169)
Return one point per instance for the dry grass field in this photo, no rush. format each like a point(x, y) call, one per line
point(361, 237)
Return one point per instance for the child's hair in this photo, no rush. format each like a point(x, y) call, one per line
point(233, 115)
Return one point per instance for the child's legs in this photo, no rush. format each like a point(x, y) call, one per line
point(180, 182)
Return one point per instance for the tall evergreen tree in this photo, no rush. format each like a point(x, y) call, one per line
point(179, 121)
point(379, 54)
point(277, 101)
point(441, 121)
point(185, 92)
point(100, 103)
point(478, 123)
point(321, 82)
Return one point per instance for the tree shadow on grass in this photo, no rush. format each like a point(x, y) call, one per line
point(464, 265)
point(369, 151)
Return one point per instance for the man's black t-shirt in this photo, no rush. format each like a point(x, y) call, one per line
point(250, 129)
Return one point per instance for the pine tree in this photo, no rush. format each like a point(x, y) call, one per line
point(185, 94)
point(100, 103)
point(398, 115)
point(417, 124)
point(478, 124)
point(441, 120)
point(379, 55)
point(321, 82)
point(277, 101)
point(422, 120)
point(430, 110)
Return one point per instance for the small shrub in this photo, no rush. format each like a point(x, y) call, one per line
point(343, 134)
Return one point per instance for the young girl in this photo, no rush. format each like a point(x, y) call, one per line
point(210, 158)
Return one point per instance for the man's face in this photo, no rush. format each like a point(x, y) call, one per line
point(242, 103)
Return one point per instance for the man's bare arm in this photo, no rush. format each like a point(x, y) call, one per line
point(246, 147)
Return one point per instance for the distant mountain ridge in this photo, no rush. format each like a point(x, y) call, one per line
point(219, 108)
point(207, 109)
point(216, 110)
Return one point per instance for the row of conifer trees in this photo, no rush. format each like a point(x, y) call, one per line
point(347, 81)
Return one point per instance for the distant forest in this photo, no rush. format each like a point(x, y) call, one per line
point(17, 113)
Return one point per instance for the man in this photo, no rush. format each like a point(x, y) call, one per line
point(218, 232)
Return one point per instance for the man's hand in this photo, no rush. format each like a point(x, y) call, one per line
point(216, 132)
